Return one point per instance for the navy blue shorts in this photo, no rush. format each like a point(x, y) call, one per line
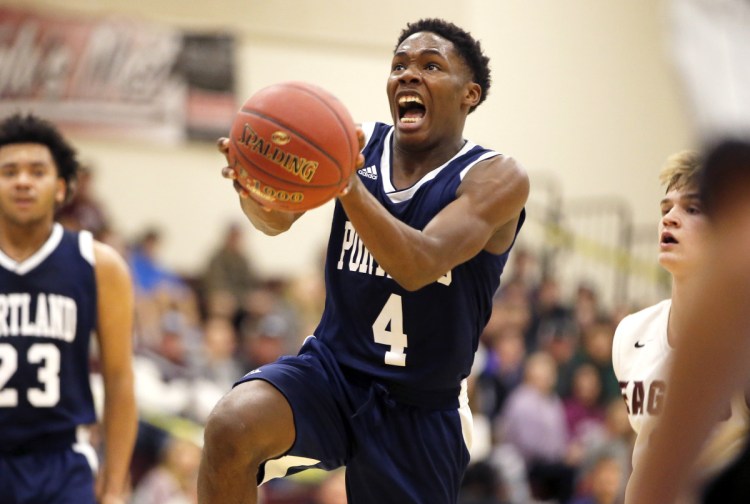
point(392, 452)
point(62, 476)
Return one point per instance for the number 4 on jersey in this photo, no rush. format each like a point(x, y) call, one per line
point(388, 329)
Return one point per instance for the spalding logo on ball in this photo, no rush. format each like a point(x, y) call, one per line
point(293, 146)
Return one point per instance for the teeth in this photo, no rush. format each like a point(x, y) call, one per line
point(410, 99)
point(409, 119)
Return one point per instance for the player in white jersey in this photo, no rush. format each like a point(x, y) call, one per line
point(710, 42)
point(644, 341)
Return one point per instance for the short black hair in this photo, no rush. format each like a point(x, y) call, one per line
point(726, 175)
point(19, 128)
point(467, 46)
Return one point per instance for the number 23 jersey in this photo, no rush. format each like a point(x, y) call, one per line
point(423, 341)
point(47, 313)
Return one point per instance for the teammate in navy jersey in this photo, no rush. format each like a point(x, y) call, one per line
point(418, 242)
point(56, 287)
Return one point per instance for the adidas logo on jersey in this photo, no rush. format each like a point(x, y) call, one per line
point(369, 172)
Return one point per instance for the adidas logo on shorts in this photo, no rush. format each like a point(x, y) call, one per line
point(369, 172)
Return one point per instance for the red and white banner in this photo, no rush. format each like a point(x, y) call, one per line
point(116, 77)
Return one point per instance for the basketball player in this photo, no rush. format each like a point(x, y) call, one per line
point(711, 363)
point(56, 287)
point(417, 246)
point(711, 43)
point(644, 341)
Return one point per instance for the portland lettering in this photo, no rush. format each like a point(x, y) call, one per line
point(356, 258)
point(51, 316)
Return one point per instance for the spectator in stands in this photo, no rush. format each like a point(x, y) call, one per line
point(597, 349)
point(584, 412)
point(84, 210)
point(149, 274)
point(217, 360)
point(498, 366)
point(174, 479)
point(229, 277)
point(603, 482)
point(548, 312)
point(482, 485)
point(533, 423)
point(586, 310)
point(524, 270)
point(217, 365)
point(265, 341)
point(165, 374)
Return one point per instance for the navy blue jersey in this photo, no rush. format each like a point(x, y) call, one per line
point(47, 313)
point(420, 342)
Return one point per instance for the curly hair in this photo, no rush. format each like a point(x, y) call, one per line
point(29, 128)
point(468, 48)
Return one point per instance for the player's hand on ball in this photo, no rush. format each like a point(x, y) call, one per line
point(229, 173)
point(293, 146)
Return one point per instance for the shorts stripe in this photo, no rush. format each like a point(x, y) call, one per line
point(278, 468)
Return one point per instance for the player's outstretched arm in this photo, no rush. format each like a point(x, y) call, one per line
point(266, 220)
point(483, 217)
point(115, 332)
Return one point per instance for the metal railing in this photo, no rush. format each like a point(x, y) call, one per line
point(594, 241)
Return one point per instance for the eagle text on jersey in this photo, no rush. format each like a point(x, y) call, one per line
point(644, 398)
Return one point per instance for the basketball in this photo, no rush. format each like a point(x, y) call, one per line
point(293, 146)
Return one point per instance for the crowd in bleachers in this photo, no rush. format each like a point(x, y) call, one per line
point(545, 397)
point(550, 425)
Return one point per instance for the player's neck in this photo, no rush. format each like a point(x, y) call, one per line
point(411, 165)
point(19, 242)
point(677, 315)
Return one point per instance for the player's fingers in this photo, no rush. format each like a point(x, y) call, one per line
point(348, 187)
point(360, 161)
point(241, 190)
point(228, 173)
point(223, 145)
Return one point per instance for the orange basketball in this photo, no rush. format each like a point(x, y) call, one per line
point(293, 146)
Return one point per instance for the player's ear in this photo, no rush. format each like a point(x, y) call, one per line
point(472, 94)
point(60, 191)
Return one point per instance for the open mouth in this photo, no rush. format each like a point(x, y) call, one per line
point(667, 238)
point(410, 109)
